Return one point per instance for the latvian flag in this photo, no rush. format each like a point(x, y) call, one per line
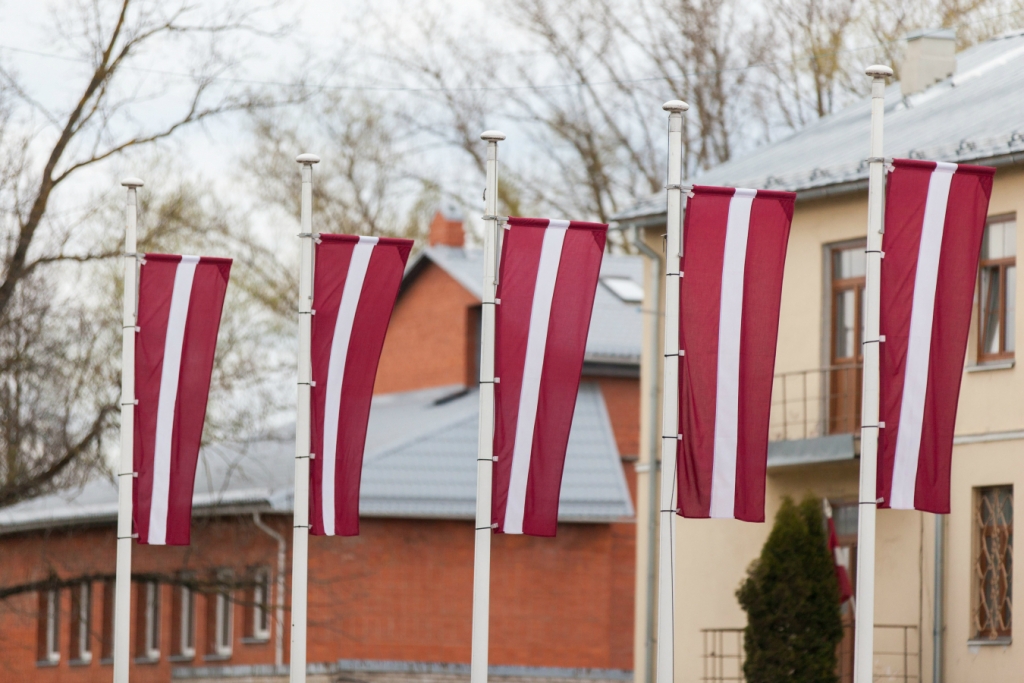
point(734, 250)
point(355, 285)
point(934, 223)
point(547, 281)
point(179, 309)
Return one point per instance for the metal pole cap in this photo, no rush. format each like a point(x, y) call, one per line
point(132, 182)
point(878, 71)
point(308, 159)
point(492, 135)
point(675, 106)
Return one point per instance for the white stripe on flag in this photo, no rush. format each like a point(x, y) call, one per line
point(336, 372)
point(730, 323)
point(181, 293)
point(536, 343)
point(919, 344)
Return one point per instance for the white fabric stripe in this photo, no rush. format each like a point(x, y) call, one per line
point(536, 344)
point(730, 324)
point(181, 293)
point(919, 344)
point(336, 372)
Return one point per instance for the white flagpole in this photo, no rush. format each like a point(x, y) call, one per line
point(669, 395)
point(126, 467)
point(485, 444)
point(864, 633)
point(300, 532)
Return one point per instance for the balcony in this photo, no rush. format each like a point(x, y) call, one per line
point(897, 655)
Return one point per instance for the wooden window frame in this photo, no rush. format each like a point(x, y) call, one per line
point(1002, 264)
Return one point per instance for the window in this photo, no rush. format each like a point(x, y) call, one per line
point(993, 581)
point(81, 611)
point(627, 289)
point(220, 612)
point(184, 619)
point(849, 266)
point(997, 290)
point(148, 633)
point(260, 615)
point(107, 635)
point(49, 626)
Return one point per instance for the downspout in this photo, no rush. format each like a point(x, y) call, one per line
point(653, 446)
point(940, 559)
point(282, 551)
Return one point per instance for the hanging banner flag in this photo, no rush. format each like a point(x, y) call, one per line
point(546, 287)
point(180, 304)
point(734, 250)
point(840, 557)
point(934, 223)
point(355, 285)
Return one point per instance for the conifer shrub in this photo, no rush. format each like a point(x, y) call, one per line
point(791, 599)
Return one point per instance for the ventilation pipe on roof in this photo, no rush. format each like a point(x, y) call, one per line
point(930, 58)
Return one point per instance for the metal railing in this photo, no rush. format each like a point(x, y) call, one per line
point(897, 654)
point(812, 403)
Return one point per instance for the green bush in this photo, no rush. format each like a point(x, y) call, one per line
point(790, 596)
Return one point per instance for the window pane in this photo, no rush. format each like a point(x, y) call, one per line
point(1010, 238)
point(990, 309)
point(847, 263)
point(845, 316)
point(1011, 305)
point(992, 246)
point(994, 565)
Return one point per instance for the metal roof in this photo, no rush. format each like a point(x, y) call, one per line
point(972, 117)
point(420, 462)
point(615, 325)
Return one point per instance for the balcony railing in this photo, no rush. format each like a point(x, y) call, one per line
point(812, 403)
point(897, 654)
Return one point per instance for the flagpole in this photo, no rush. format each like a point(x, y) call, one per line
point(864, 635)
point(669, 396)
point(485, 444)
point(300, 532)
point(126, 467)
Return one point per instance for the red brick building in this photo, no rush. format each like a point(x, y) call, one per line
point(394, 602)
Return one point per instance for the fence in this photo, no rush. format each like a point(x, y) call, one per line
point(812, 403)
point(897, 654)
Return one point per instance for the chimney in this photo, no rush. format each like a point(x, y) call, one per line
point(446, 227)
point(930, 58)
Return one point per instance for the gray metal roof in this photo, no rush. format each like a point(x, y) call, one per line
point(973, 117)
point(420, 462)
point(615, 325)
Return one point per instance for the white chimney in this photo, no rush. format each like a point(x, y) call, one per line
point(930, 58)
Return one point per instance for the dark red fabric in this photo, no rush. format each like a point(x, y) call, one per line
point(963, 230)
point(156, 284)
point(705, 222)
point(569, 323)
point(842, 576)
point(373, 313)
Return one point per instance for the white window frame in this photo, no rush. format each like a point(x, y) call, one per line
point(223, 631)
point(83, 622)
point(187, 627)
point(152, 620)
point(261, 604)
point(52, 645)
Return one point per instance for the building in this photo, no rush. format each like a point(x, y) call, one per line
point(393, 603)
point(954, 107)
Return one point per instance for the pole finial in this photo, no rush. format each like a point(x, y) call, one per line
point(308, 159)
point(492, 135)
point(878, 71)
point(132, 182)
point(675, 106)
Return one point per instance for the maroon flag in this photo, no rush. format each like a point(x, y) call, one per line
point(840, 558)
point(355, 285)
point(934, 223)
point(180, 303)
point(547, 282)
point(734, 251)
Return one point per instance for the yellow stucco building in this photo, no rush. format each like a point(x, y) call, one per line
point(966, 107)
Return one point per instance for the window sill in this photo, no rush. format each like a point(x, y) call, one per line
point(107, 660)
point(80, 662)
point(217, 657)
point(182, 657)
point(147, 660)
point(991, 365)
point(47, 663)
point(990, 642)
point(256, 640)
